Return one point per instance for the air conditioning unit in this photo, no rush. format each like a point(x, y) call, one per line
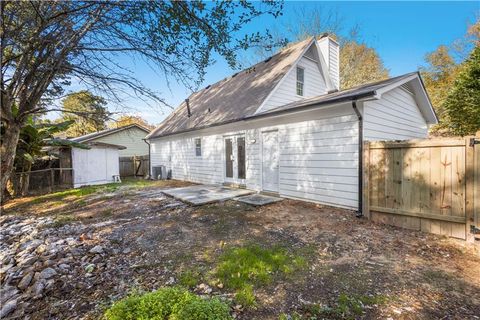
point(159, 172)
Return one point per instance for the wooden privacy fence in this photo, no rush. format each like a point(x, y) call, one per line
point(134, 166)
point(428, 185)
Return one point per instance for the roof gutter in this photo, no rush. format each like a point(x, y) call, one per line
point(360, 159)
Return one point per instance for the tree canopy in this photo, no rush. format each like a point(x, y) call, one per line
point(46, 44)
point(462, 105)
point(443, 67)
point(87, 111)
point(359, 63)
point(127, 119)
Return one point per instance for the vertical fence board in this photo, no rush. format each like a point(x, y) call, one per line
point(389, 179)
point(406, 179)
point(446, 180)
point(424, 171)
point(381, 178)
point(458, 181)
point(397, 177)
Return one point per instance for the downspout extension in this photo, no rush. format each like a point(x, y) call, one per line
point(149, 159)
point(360, 159)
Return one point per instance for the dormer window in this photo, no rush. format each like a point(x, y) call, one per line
point(300, 80)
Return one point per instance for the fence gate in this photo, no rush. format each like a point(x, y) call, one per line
point(134, 166)
point(429, 185)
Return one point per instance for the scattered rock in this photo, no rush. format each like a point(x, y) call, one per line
point(98, 249)
point(204, 288)
point(6, 293)
point(25, 282)
point(8, 308)
point(37, 288)
point(47, 273)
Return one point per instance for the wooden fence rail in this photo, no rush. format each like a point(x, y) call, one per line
point(426, 185)
point(134, 166)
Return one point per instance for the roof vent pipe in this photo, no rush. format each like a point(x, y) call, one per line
point(189, 113)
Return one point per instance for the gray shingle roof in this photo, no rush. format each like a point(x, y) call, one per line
point(235, 97)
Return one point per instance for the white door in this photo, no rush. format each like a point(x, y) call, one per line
point(270, 156)
point(235, 169)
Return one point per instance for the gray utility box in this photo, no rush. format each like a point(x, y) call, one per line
point(159, 172)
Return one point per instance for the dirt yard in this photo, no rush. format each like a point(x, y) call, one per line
point(70, 255)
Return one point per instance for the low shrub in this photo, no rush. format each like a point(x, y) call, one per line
point(168, 304)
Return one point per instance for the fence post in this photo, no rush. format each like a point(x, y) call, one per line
point(134, 162)
point(365, 180)
point(52, 179)
point(469, 188)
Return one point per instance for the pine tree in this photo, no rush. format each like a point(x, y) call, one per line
point(462, 106)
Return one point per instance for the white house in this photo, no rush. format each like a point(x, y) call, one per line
point(284, 126)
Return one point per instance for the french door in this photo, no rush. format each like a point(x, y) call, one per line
point(235, 169)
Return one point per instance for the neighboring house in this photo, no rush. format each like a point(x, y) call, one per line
point(282, 126)
point(130, 136)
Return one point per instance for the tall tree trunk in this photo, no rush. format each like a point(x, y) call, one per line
point(7, 154)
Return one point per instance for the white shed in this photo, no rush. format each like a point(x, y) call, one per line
point(284, 126)
point(97, 165)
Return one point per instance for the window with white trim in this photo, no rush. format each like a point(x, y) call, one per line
point(300, 80)
point(198, 147)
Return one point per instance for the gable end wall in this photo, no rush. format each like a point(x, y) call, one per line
point(287, 91)
point(131, 139)
point(394, 117)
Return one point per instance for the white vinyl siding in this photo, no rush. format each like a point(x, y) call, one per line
point(96, 165)
point(334, 65)
point(131, 139)
point(317, 161)
point(300, 80)
point(198, 147)
point(286, 92)
point(394, 117)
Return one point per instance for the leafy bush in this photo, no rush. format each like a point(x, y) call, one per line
point(168, 303)
point(242, 268)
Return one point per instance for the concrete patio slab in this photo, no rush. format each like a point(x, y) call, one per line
point(202, 194)
point(258, 199)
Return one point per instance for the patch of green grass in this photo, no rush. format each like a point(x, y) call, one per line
point(245, 296)
point(346, 307)
point(189, 278)
point(88, 190)
point(168, 304)
point(243, 268)
point(60, 221)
